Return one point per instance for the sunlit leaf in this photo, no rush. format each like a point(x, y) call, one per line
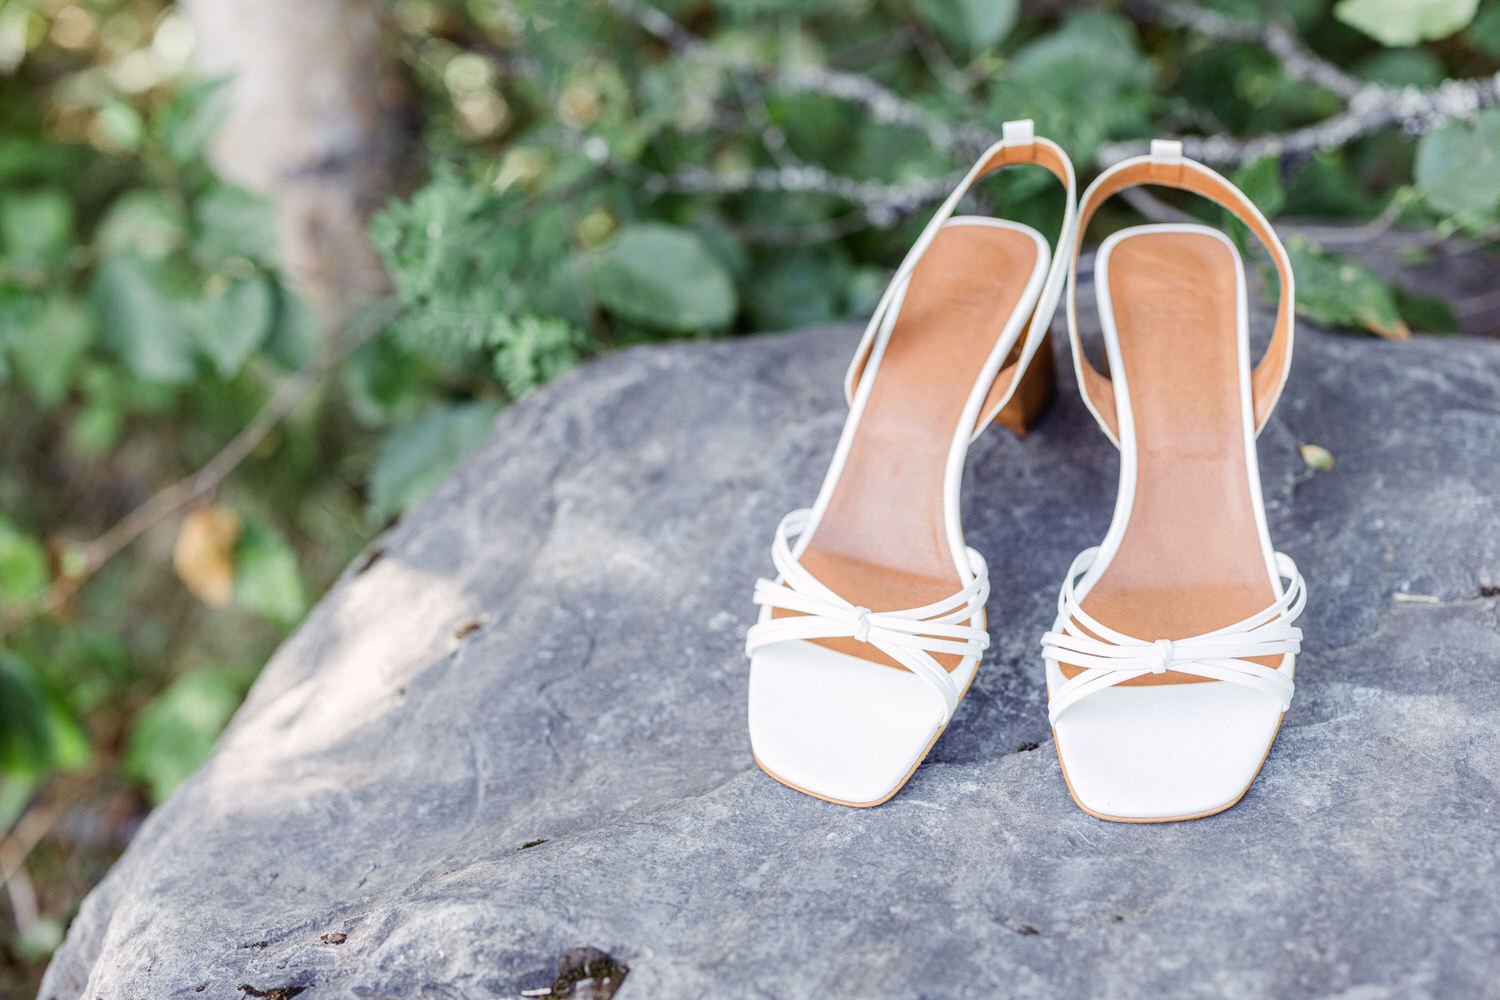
point(36, 225)
point(23, 564)
point(1317, 457)
point(176, 732)
point(143, 222)
point(267, 579)
point(1406, 22)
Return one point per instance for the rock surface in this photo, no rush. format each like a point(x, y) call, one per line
point(519, 730)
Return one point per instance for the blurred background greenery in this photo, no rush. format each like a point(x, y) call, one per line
point(199, 432)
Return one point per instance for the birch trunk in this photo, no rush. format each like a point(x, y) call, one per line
point(320, 120)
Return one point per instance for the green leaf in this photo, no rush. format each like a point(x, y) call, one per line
point(176, 732)
point(1428, 313)
point(233, 222)
point(15, 790)
point(1336, 291)
point(1458, 169)
point(25, 738)
point(144, 222)
point(232, 325)
point(266, 578)
point(1484, 32)
point(796, 289)
point(186, 123)
point(295, 336)
point(971, 25)
point(1261, 182)
point(1402, 68)
point(415, 458)
point(665, 277)
point(41, 938)
point(386, 382)
point(47, 352)
point(1406, 22)
point(141, 323)
point(23, 564)
point(121, 124)
point(36, 226)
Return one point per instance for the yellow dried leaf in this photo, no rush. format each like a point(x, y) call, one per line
point(204, 554)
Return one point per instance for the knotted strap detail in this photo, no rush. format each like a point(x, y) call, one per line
point(910, 636)
point(1109, 658)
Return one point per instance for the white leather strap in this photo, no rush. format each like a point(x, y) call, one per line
point(1166, 166)
point(908, 636)
point(1018, 146)
point(1110, 658)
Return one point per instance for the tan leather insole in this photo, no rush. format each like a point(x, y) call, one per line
point(1190, 560)
point(882, 542)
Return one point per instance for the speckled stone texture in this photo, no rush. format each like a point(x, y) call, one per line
point(550, 649)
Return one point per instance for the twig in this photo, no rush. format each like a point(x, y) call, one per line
point(882, 203)
point(92, 555)
point(769, 234)
point(886, 107)
point(15, 847)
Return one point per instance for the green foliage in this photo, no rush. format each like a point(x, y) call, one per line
point(590, 186)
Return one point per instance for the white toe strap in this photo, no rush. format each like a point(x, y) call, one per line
point(909, 636)
point(1109, 658)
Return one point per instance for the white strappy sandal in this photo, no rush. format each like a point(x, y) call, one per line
point(1170, 665)
point(870, 634)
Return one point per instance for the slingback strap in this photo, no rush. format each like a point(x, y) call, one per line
point(909, 636)
point(1018, 146)
point(1167, 167)
point(1109, 658)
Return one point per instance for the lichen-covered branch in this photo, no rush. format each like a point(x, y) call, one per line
point(883, 204)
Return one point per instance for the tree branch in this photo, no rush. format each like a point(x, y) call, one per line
point(883, 204)
point(1368, 107)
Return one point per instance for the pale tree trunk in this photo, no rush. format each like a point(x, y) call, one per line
point(320, 120)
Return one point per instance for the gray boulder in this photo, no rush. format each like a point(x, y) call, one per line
point(516, 729)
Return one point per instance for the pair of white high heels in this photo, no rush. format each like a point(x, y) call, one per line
point(1170, 664)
